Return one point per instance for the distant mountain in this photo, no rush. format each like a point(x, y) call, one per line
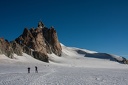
point(72, 56)
point(42, 42)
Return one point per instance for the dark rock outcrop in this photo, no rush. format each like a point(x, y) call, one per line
point(100, 56)
point(5, 48)
point(17, 49)
point(103, 56)
point(40, 56)
point(41, 25)
point(51, 37)
point(39, 42)
point(126, 62)
point(9, 48)
point(27, 50)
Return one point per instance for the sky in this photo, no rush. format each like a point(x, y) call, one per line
point(98, 25)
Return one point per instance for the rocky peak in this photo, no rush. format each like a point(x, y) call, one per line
point(37, 42)
point(41, 40)
point(56, 47)
point(9, 48)
point(41, 25)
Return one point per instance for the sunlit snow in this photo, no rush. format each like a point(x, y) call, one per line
point(72, 68)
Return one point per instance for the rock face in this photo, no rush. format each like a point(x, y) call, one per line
point(5, 48)
point(125, 61)
point(39, 42)
point(17, 49)
point(9, 48)
point(52, 41)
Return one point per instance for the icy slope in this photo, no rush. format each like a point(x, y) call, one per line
point(84, 58)
point(19, 59)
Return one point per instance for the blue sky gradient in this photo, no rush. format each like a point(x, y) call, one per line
point(99, 25)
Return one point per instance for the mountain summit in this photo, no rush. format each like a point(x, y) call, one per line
point(37, 42)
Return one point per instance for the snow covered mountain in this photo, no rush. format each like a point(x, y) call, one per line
point(72, 56)
point(77, 57)
point(42, 43)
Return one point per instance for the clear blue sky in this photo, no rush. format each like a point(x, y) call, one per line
point(99, 25)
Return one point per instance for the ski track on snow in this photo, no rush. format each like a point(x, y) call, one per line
point(23, 78)
point(67, 76)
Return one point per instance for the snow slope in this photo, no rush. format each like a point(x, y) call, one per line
point(72, 56)
point(73, 68)
point(55, 75)
point(84, 58)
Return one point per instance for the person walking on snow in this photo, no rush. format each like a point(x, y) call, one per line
point(36, 69)
point(28, 69)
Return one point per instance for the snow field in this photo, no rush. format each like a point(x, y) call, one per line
point(61, 75)
point(72, 68)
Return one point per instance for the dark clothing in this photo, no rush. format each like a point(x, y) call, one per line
point(28, 69)
point(36, 69)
